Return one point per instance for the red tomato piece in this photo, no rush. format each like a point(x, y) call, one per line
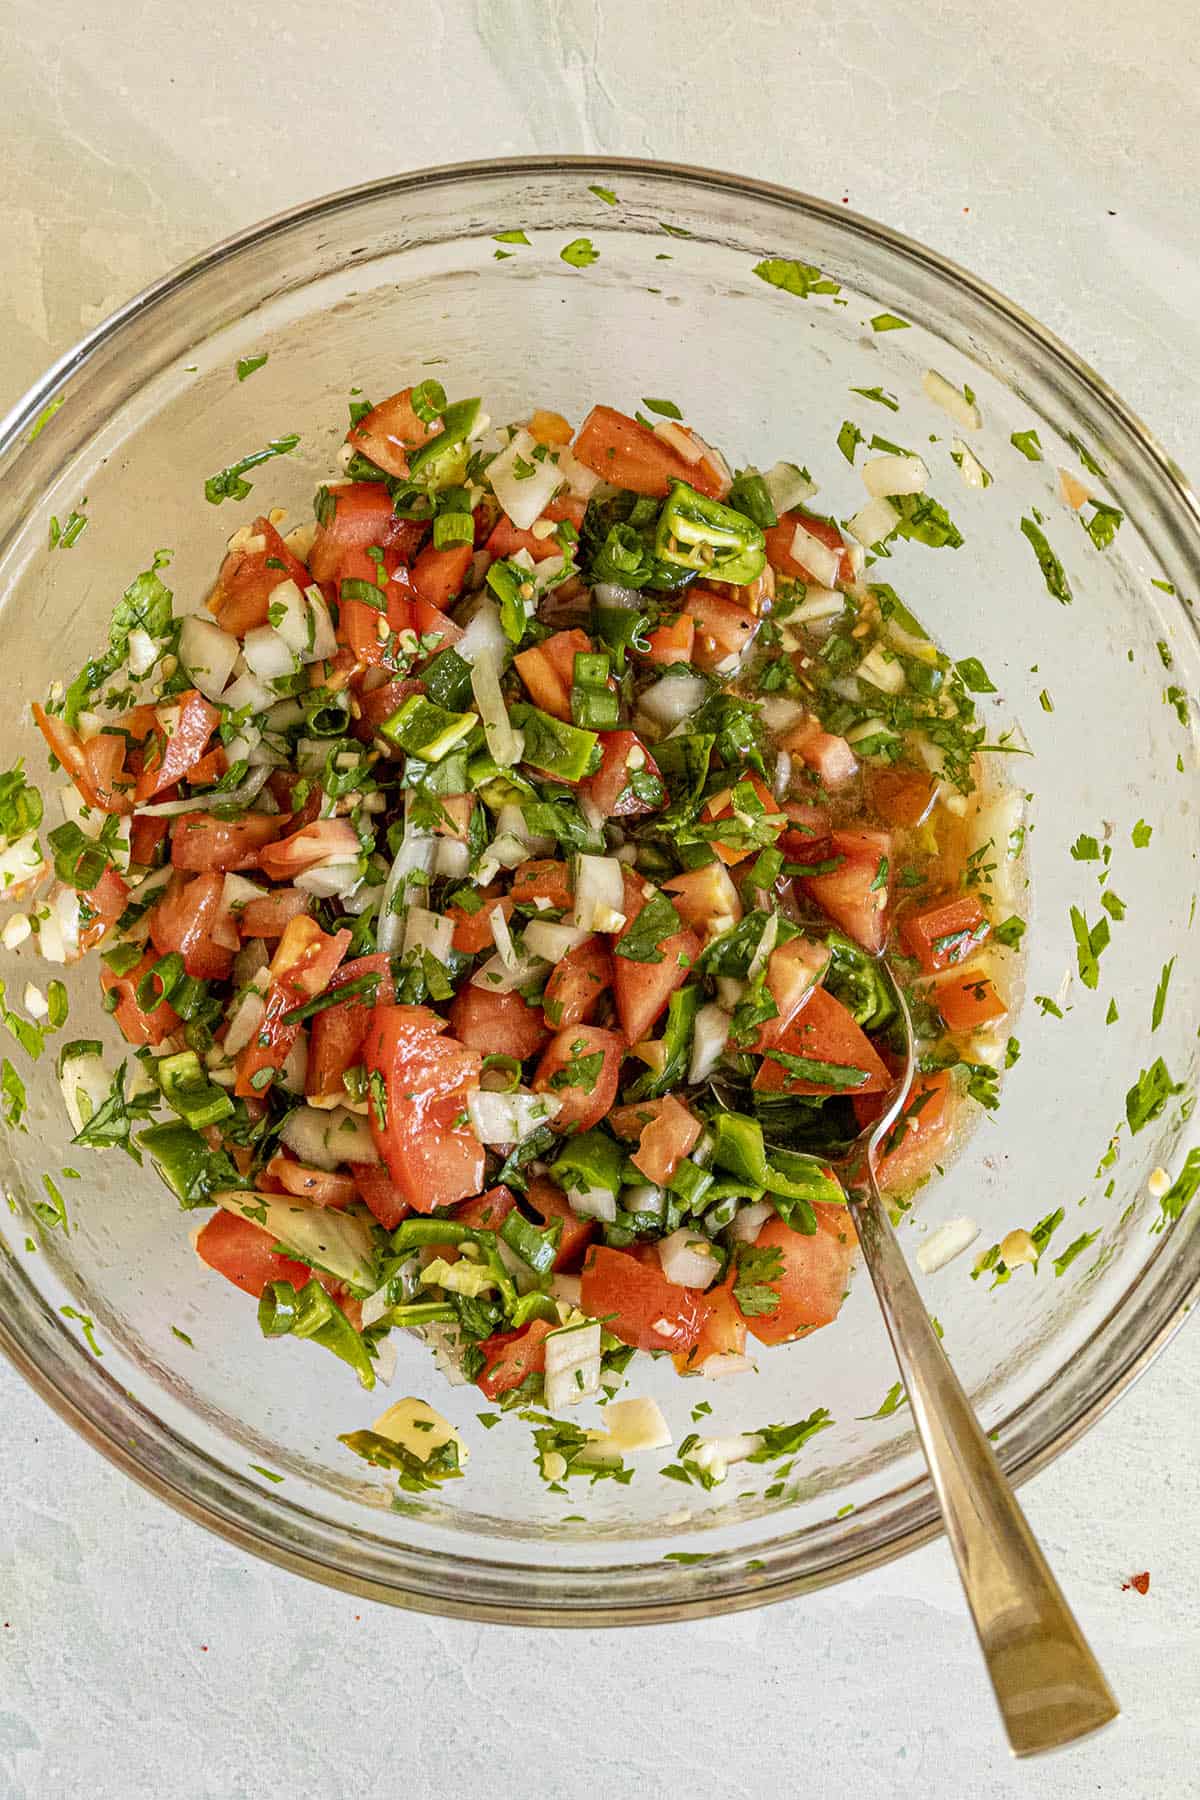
point(815, 1275)
point(359, 621)
point(194, 723)
point(548, 670)
point(723, 630)
point(638, 1304)
point(145, 836)
point(249, 575)
point(487, 1212)
point(723, 1332)
point(391, 429)
point(317, 1185)
point(920, 1135)
point(578, 984)
point(270, 916)
point(336, 1033)
point(187, 919)
point(303, 966)
point(105, 903)
point(243, 1252)
point(671, 643)
point(831, 759)
point(473, 931)
point(137, 1026)
point(375, 708)
point(586, 1097)
point(512, 1356)
point(901, 796)
point(438, 575)
point(701, 896)
point(632, 456)
point(211, 767)
point(609, 789)
point(497, 1024)
point(326, 840)
point(360, 516)
point(721, 806)
point(506, 540)
point(666, 1132)
point(96, 767)
point(855, 894)
point(380, 1195)
point(550, 1203)
point(779, 546)
point(203, 843)
point(968, 999)
point(433, 1158)
point(642, 989)
point(544, 880)
point(792, 972)
point(823, 1031)
point(945, 931)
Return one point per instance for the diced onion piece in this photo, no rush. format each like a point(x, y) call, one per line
point(688, 1259)
point(763, 948)
point(645, 1197)
point(895, 475)
point(58, 929)
point(750, 1219)
point(333, 880)
point(611, 594)
point(16, 930)
point(503, 740)
point(709, 1037)
point(419, 1429)
point(881, 670)
point(593, 1203)
point(779, 713)
point(247, 690)
point(551, 941)
point(572, 1365)
point(451, 859)
point(523, 496)
point(599, 893)
point(952, 400)
point(266, 655)
point(484, 634)
point(510, 821)
point(874, 522)
point(207, 654)
point(674, 698)
point(324, 642)
point(636, 1424)
point(823, 563)
point(818, 603)
point(723, 1363)
point(416, 854)
point(581, 481)
point(294, 1072)
point(679, 438)
point(497, 977)
point(244, 1020)
point(425, 930)
point(996, 826)
point(325, 1140)
point(714, 1455)
point(238, 796)
point(141, 652)
point(567, 1290)
point(289, 617)
point(969, 466)
point(85, 1084)
point(509, 1118)
point(788, 486)
point(730, 989)
point(21, 866)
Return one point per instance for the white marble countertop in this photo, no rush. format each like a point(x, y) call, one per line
point(1049, 147)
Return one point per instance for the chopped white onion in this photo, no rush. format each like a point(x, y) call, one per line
point(416, 853)
point(821, 561)
point(85, 1084)
point(551, 941)
point(969, 466)
point(238, 796)
point(763, 948)
point(21, 866)
point(484, 633)
point(581, 481)
point(572, 1365)
point(266, 655)
point(294, 1072)
point(16, 930)
point(329, 880)
point(714, 1455)
point(325, 1140)
point(523, 497)
point(207, 654)
point(874, 522)
point(599, 893)
point(509, 1118)
point(244, 1020)
point(779, 713)
point(247, 690)
point(291, 619)
point(947, 1242)
point(788, 486)
point(818, 603)
point(709, 1037)
point(593, 1203)
point(883, 475)
point(510, 822)
point(141, 652)
point(882, 670)
point(723, 1363)
point(324, 642)
point(502, 937)
point(609, 593)
point(674, 698)
point(58, 929)
point(498, 977)
point(425, 930)
point(631, 1425)
point(503, 740)
point(688, 1259)
point(997, 826)
point(452, 858)
point(952, 400)
point(750, 1219)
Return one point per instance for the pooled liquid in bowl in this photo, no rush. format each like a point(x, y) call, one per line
point(436, 867)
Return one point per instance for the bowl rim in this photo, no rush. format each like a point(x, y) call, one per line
point(30, 411)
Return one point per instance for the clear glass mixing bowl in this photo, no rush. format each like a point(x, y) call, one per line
point(365, 290)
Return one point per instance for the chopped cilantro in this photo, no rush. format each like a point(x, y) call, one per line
point(888, 322)
point(605, 194)
point(1141, 834)
point(581, 253)
point(1160, 994)
point(509, 237)
point(228, 483)
point(755, 1268)
point(798, 278)
point(1062, 1263)
point(1149, 1094)
point(1053, 573)
point(848, 439)
point(1028, 443)
point(248, 364)
point(879, 396)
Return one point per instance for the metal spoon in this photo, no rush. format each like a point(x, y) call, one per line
point(1048, 1685)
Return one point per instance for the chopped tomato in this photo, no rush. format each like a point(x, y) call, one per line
point(302, 967)
point(487, 1212)
point(511, 1356)
point(244, 1253)
point(632, 456)
point(432, 623)
point(919, 1136)
point(497, 1024)
point(473, 931)
point(203, 843)
point(642, 989)
point(544, 880)
point(824, 1032)
point(145, 836)
point(438, 575)
point(815, 1275)
point(250, 573)
point(723, 1332)
point(138, 1026)
point(375, 708)
point(317, 1185)
point(945, 931)
point(380, 1195)
point(548, 670)
point(336, 1033)
point(855, 894)
point(360, 621)
point(610, 789)
point(187, 918)
point(901, 796)
point(831, 759)
point(638, 1304)
point(269, 917)
point(282, 785)
point(211, 767)
point(779, 546)
point(391, 429)
point(183, 733)
point(578, 984)
point(506, 540)
point(723, 631)
point(721, 806)
point(792, 972)
point(704, 897)
point(567, 1071)
point(96, 767)
point(104, 903)
point(550, 1203)
point(671, 643)
point(420, 1128)
point(666, 1132)
point(326, 840)
point(968, 999)
point(361, 516)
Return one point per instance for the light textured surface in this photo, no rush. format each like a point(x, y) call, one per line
point(1051, 148)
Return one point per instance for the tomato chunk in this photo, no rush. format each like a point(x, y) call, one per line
point(548, 670)
point(506, 540)
point(473, 931)
point(186, 919)
point(380, 1195)
point(317, 1185)
point(182, 743)
point(550, 1203)
point(611, 790)
point(431, 1153)
point(360, 515)
point(642, 989)
point(138, 1026)
point(511, 1357)
point(270, 916)
point(779, 546)
point(497, 1024)
point(968, 999)
point(244, 1253)
point(578, 984)
point(945, 931)
point(723, 1332)
point(920, 1135)
point(389, 431)
point(638, 1304)
point(671, 643)
point(814, 1277)
point(544, 880)
point(568, 1071)
point(96, 767)
point(723, 631)
point(666, 1132)
point(202, 843)
point(438, 575)
point(855, 894)
point(632, 456)
point(336, 1033)
point(249, 575)
point(824, 1032)
point(901, 796)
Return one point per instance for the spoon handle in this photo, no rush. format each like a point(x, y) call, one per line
point(1048, 1685)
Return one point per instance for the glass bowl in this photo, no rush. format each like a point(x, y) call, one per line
point(366, 290)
